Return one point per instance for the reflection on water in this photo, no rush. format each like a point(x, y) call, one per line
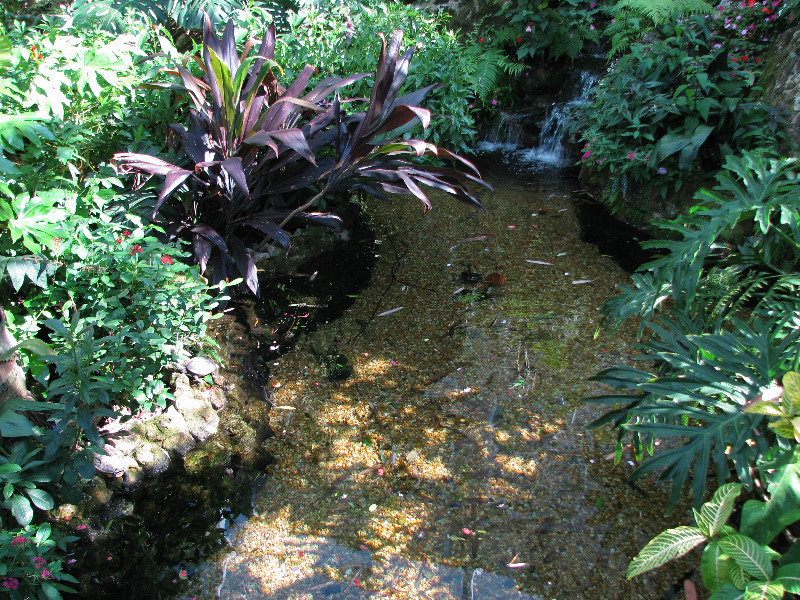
point(456, 458)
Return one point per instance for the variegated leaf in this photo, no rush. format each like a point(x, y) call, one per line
point(748, 554)
point(791, 392)
point(666, 546)
point(764, 590)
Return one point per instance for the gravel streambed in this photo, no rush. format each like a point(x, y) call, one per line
point(454, 461)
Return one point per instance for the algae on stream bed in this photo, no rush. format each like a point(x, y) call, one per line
point(458, 448)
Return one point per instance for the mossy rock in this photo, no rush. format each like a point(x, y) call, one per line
point(209, 456)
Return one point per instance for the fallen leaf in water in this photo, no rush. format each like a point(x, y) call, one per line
point(388, 312)
point(516, 565)
point(689, 590)
point(539, 262)
point(579, 281)
point(496, 279)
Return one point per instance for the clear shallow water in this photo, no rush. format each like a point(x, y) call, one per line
point(456, 458)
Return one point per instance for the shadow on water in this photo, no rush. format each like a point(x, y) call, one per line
point(613, 237)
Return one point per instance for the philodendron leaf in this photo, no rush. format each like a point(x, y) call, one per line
point(715, 513)
point(789, 576)
point(714, 567)
point(764, 590)
point(666, 546)
point(748, 554)
point(791, 392)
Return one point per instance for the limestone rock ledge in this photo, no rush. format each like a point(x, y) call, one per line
point(146, 446)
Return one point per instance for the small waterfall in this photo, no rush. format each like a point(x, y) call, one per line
point(549, 151)
point(504, 135)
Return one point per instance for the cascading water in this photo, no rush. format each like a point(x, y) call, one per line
point(549, 151)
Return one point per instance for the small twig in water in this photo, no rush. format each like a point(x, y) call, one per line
point(224, 573)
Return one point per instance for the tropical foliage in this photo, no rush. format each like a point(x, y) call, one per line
point(738, 564)
point(252, 145)
point(105, 300)
point(671, 109)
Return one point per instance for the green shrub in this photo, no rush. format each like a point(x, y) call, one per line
point(728, 286)
point(671, 109)
point(31, 562)
point(745, 563)
point(551, 28)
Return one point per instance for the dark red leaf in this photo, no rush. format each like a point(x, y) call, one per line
point(244, 263)
point(233, 166)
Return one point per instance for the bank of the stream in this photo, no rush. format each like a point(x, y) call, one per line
point(458, 447)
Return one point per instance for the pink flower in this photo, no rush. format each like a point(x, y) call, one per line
point(39, 562)
point(166, 259)
point(10, 583)
point(631, 155)
point(528, 29)
point(19, 540)
point(494, 101)
point(46, 574)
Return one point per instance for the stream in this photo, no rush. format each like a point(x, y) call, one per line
point(430, 442)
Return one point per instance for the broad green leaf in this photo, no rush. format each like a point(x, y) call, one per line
point(50, 591)
point(765, 408)
point(762, 521)
point(789, 576)
point(728, 592)
point(748, 554)
point(43, 533)
point(40, 498)
point(13, 424)
point(666, 546)
point(764, 590)
point(5, 50)
point(21, 509)
point(714, 567)
point(738, 575)
point(783, 428)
